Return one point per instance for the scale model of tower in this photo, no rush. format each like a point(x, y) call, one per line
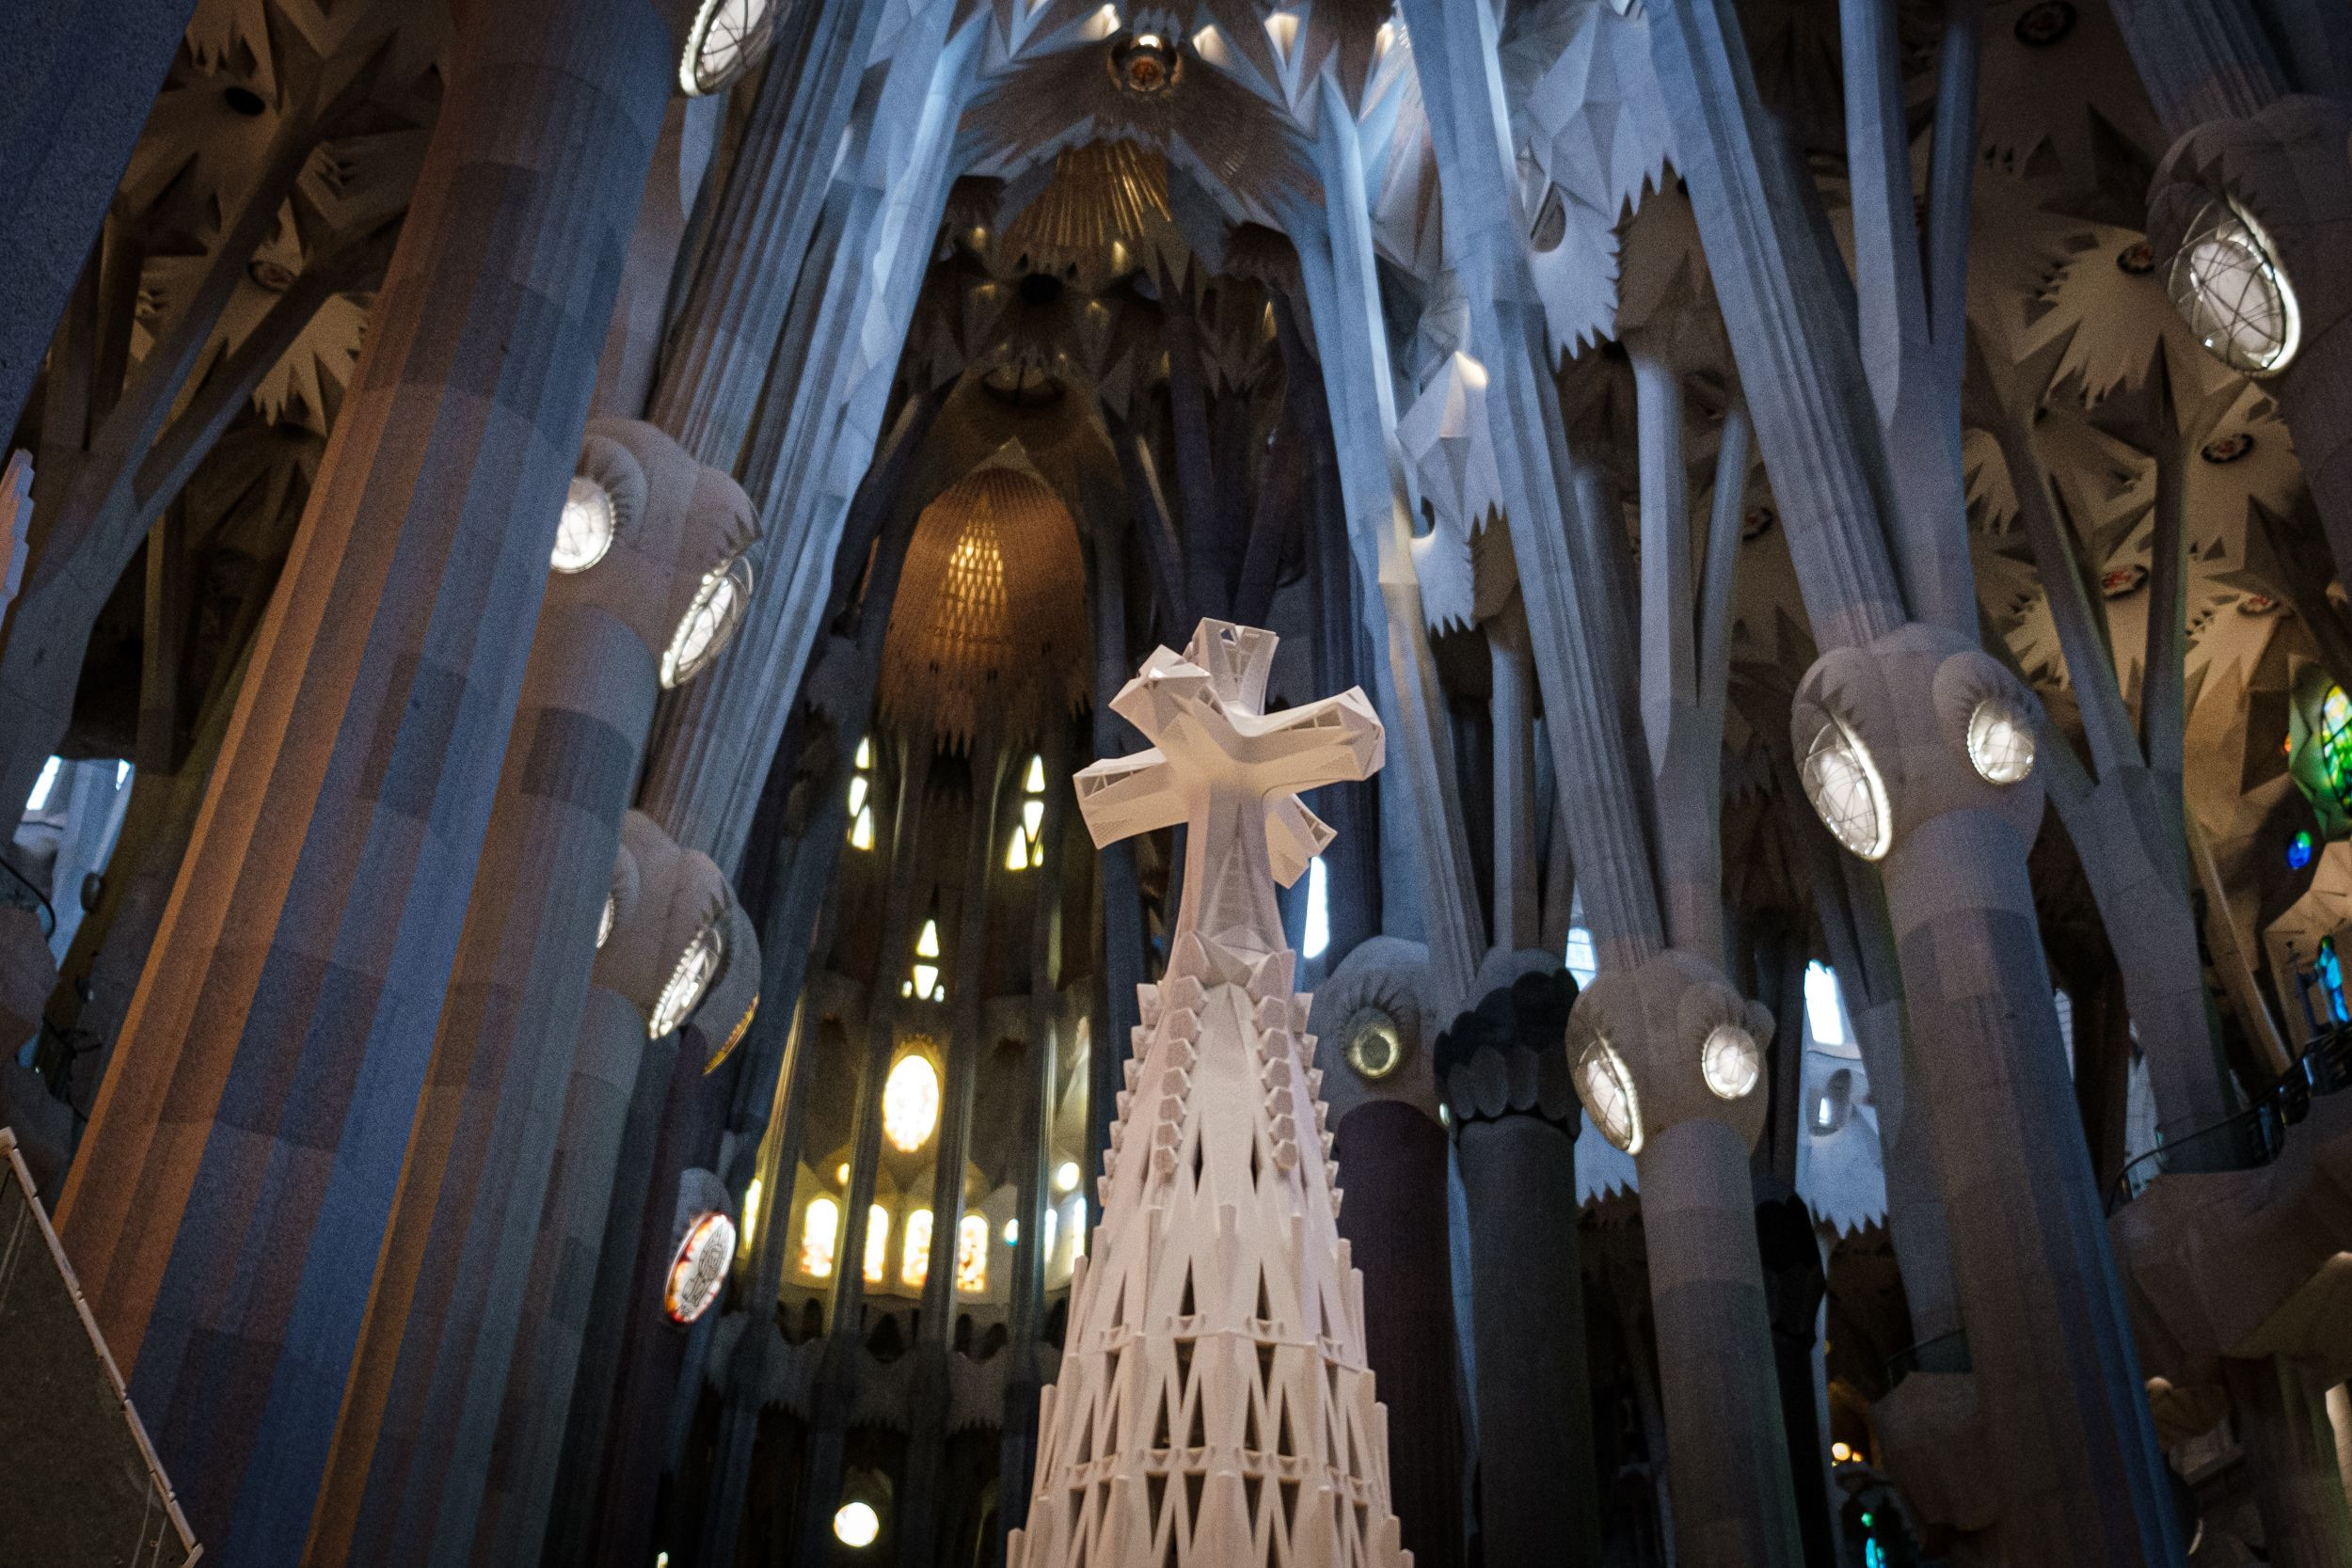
point(1213, 1409)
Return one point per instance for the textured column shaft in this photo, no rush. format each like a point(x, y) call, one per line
point(1551, 529)
point(1725, 1442)
point(2281, 1414)
point(718, 362)
point(1535, 1458)
point(920, 1504)
point(2201, 59)
point(2079, 1473)
point(1517, 827)
point(243, 1166)
point(411, 1449)
point(2339, 1416)
point(813, 439)
point(1395, 1225)
point(612, 1306)
point(1790, 331)
point(526, 1457)
point(76, 80)
point(1427, 890)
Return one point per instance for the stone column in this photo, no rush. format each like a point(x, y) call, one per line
point(920, 1503)
point(1517, 824)
point(830, 378)
point(2339, 1416)
point(234, 1189)
point(77, 77)
point(1504, 1074)
point(411, 1448)
point(717, 363)
point(837, 1379)
point(2279, 1410)
point(1668, 1059)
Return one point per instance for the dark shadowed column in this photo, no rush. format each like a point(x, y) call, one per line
point(1394, 1223)
point(1503, 1073)
point(76, 80)
point(232, 1199)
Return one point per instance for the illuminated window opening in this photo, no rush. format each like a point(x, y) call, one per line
point(925, 981)
point(820, 1233)
point(45, 785)
point(861, 796)
point(1824, 1005)
point(2335, 745)
point(972, 1255)
point(750, 1208)
point(911, 1102)
point(1583, 959)
point(914, 1263)
point(1318, 934)
point(877, 1244)
point(2330, 971)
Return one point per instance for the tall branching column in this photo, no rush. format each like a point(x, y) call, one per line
point(830, 383)
point(1427, 892)
point(281, 1035)
point(920, 1503)
point(837, 1376)
point(1883, 734)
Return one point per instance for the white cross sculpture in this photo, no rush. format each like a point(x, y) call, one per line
point(1213, 1408)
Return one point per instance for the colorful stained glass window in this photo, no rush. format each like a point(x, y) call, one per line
point(972, 1255)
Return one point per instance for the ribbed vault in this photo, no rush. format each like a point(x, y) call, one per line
point(990, 632)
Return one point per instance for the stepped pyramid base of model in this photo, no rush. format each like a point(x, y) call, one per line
point(1214, 1407)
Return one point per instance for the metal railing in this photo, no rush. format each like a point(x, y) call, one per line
point(2255, 1136)
point(18, 889)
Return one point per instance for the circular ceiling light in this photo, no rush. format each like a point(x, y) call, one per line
point(1374, 1048)
point(856, 1525)
point(1730, 1061)
point(1605, 1085)
point(710, 622)
point(586, 529)
point(2000, 742)
point(911, 1102)
point(1066, 1177)
point(2045, 24)
point(726, 38)
point(2228, 287)
point(1848, 795)
point(1145, 64)
point(700, 1268)
point(690, 978)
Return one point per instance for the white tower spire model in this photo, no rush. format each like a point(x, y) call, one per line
point(1213, 1409)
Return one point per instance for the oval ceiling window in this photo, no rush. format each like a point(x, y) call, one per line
point(2228, 287)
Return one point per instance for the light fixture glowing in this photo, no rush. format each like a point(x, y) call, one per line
point(1374, 1048)
point(877, 1242)
point(1605, 1085)
point(2000, 742)
point(856, 1525)
point(720, 44)
point(911, 1102)
point(690, 980)
point(1066, 1177)
point(841, 1173)
point(1730, 1061)
point(914, 1260)
point(1843, 783)
point(585, 531)
point(1841, 1452)
point(699, 1270)
point(710, 621)
point(2228, 287)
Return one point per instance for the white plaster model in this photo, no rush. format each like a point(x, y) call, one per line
point(1213, 1406)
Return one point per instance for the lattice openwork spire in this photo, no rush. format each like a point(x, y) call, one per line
point(1214, 1407)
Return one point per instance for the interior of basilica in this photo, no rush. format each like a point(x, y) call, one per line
point(1176, 784)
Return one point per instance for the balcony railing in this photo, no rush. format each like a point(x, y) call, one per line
point(2256, 1135)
